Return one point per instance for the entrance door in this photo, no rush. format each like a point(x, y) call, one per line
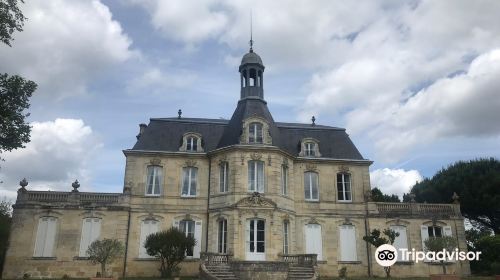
point(255, 240)
point(313, 240)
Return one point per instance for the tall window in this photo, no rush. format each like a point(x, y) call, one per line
point(45, 237)
point(256, 176)
point(192, 144)
point(223, 177)
point(222, 237)
point(189, 181)
point(311, 186)
point(344, 187)
point(286, 234)
point(347, 243)
point(284, 180)
point(187, 226)
point(154, 180)
point(91, 230)
point(310, 149)
point(147, 227)
point(255, 133)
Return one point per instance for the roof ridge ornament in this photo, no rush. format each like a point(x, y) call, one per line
point(251, 33)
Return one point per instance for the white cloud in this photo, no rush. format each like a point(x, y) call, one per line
point(394, 181)
point(157, 81)
point(64, 44)
point(59, 153)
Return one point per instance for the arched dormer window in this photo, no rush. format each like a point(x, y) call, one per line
point(255, 130)
point(255, 133)
point(309, 148)
point(191, 142)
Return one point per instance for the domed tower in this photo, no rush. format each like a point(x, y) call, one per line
point(251, 75)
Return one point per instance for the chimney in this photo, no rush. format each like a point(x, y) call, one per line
point(142, 127)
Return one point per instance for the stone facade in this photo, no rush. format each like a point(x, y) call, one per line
point(253, 217)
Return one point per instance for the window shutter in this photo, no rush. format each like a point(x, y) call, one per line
point(142, 249)
point(447, 231)
point(85, 236)
point(425, 235)
point(401, 241)
point(348, 243)
point(40, 236)
point(96, 230)
point(197, 236)
point(51, 238)
point(260, 176)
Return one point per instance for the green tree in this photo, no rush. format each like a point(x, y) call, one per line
point(170, 247)
point(377, 240)
point(489, 260)
point(15, 91)
point(378, 196)
point(5, 222)
point(11, 19)
point(477, 182)
point(104, 252)
point(438, 244)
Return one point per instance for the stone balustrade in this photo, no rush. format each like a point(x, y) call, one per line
point(393, 209)
point(84, 198)
point(301, 259)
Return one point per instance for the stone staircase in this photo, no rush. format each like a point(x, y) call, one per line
point(300, 272)
point(221, 271)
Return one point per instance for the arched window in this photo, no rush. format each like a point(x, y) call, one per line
point(309, 147)
point(344, 187)
point(256, 176)
point(45, 237)
point(255, 133)
point(189, 181)
point(91, 229)
point(154, 179)
point(311, 186)
point(222, 236)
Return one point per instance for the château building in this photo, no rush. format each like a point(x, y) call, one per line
point(258, 195)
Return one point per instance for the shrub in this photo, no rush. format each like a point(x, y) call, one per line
point(104, 252)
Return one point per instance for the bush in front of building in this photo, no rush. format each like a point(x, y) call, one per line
point(104, 252)
point(170, 247)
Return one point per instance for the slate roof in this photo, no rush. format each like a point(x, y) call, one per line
point(165, 134)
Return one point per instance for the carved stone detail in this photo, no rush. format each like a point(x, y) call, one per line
point(191, 163)
point(255, 156)
point(256, 200)
point(311, 167)
point(155, 161)
point(269, 160)
point(344, 168)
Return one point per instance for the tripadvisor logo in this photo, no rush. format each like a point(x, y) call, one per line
point(387, 255)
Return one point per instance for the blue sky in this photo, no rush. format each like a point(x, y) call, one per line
point(415, 83)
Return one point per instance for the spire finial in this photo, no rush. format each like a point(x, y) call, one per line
point(251, 32)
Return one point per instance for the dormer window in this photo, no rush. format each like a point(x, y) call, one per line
point(191, 142)
point(310, 150)
point(255, 133)
point(309, 147)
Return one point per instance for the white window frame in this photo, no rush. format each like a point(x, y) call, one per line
point(45, 237)
point(284, 180)
point(254, 137)
point(192, 144)
point(346, 187)
point(310, 149)
point(347, 237)
point(157, 179)
point(223, 177)
point(91, 230)
point(308, 185)
point(148, 226)
point(192, 184)
point(222, 236)
point(286, 237)
point(256, 184)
